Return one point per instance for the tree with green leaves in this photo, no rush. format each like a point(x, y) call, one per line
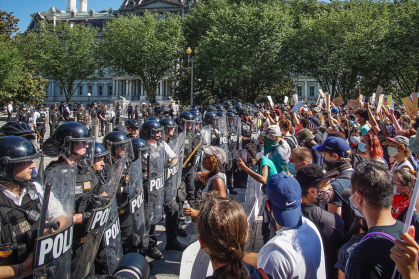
point(142, 47)
point(10, 67)
point(63, 52)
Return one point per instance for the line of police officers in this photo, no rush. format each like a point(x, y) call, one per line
point(96, 202)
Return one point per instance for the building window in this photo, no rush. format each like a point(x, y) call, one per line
point(61, 90)
point(311, 91)
point(80, 90)
point(99, 88)
point(109, 90)
point(46, 89)
point(90, 89)
point(299, 90)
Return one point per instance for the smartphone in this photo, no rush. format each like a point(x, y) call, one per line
point(243, 155)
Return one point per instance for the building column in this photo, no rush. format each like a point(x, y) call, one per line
point(141, 90)
point(161, 88)
point(52, 88)
point(306, 89)
point(113, 87)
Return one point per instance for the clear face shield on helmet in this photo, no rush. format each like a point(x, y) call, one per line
point(81, 149)
point(157, 134)
point(26, 168)
point(102, 162)
point(171, 132)
point(190, 126)
point(121, 148)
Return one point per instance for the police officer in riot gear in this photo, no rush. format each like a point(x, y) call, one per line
point(130, 111)
point(94, 113)
point(151, 132)
point(39, 119)
point(20, 205)
point(118, 144)
point(157, 110)
point(132, 127)
point(118, 109)
point(231, 166)
point(80, 115)
point(55, 117)
point(185, 120)
point(70, 142)
point(150, 110)
point(19, 129)
point(143, 110)
point(227, 105)
point(23, 114)
point(171, 208)
point(211, 118)
point(101, 116)
point(137, 113)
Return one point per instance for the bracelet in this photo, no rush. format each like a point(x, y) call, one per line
point(20, 270)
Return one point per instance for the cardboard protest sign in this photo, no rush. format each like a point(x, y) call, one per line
point(408, 104)
point(297, 107)
point(321, 94)
point(295, 97)
point(321, 103)
point(372, 100)
point(388, 99)
point(286, 100)
point(338, 101)
point(195, 263)
point(360, 98)
point(378, 92)
point(353, 105)
point(270, 101)
point(328, 102)
point(380, 103)
point(415, 104)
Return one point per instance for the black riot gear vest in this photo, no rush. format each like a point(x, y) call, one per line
point(80, 116)
point(191, 142)
point(41, 119)
point(17, 229)
point(23, 115)
point(123, 198)
point(215, 136)
point(246, 131)
point(54, 116)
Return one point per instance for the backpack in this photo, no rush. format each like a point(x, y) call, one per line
point(292, 141)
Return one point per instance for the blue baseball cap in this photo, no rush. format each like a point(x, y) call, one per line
point(284, 195)
point(335, 110)
point(335, 145)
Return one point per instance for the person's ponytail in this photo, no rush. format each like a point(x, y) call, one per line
point(235, 266)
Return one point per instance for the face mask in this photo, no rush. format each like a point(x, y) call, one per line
point(269, 145)
point(323, 197)
point(338, 124)
point(392, 151)
point(355, 140)
point(395, 191)
point(291, 168)
point(355, 209)
point(362, 147)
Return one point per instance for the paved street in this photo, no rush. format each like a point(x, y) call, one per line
point(169, 265)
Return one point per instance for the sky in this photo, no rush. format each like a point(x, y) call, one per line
point(24, 8)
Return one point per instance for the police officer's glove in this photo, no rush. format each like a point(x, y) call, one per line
point(82, 203)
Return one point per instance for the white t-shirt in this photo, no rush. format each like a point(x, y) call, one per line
point(406, 163)
point(294, 253)
point(9, 108)
point(167, 150)
point(55, 208)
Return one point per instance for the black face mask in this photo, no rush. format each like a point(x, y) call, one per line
point(336, 165)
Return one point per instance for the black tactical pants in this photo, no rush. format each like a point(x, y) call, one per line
point(189, 179)
point(116, 121)
point(130, 114)
point(172, 220)
point(150, 239)
point(52, 127)
point(102, 126)
point(126, 226)
point(40, 128)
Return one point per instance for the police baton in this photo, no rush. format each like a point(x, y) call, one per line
point(38, 134)
point(190, 156)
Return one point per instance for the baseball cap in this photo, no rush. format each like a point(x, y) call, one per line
point(274, 130)
point(311, 174)
point(305, 135)
point(335, 110)
point(217, 152)
point(122, 129)
point(400, 139)
point(335, 145)
point(284, 194)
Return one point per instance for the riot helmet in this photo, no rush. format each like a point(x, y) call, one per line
point(218, 107)
point(132, 126)
point(151, 130)
point(40, 106)
point(19, 129)
point(119, 145)
point(220, 114)
point(184, 116)
point(227, 104)
point(19, 161)
point(170, 128)
point(154, 118)
point(102, 157)
point(55, 105)
point(23, 107)
point(210, 118)
point(70, 140)
point(195, 111)
point(80, 106)
point(140, 147)
point(238, 104)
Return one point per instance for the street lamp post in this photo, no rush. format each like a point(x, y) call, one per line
point(88, 99)
point(191, 60)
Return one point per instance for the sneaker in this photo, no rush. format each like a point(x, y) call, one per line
point(154, 253)
point(176, 246)
point(182, 233)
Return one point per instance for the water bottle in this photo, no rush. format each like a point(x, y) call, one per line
point(188, 219)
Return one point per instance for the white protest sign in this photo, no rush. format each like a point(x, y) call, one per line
point(270, 100)
point(297, 106)
point(295, 97)
point(328, 102)
point(253, 201)
point(195, 263)
point(286, 100)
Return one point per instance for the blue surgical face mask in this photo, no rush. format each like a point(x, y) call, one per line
point(362, 146)
point(338, 124)
point(353, 208)
point(291, 168)
point(355, 140)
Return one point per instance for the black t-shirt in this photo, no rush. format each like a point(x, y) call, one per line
point(331, 228)
point(340, 184)
point(254, 274)
point(371, 258)
point(346, 250)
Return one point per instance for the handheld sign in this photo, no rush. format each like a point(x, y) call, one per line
point(270, 101)
point(297, 107)
point(361, 98)
point(408, 104)
point(328, 102)
point(195, 263)
point(295, 97)
point(286, 100)
point(380, 103)
point(338, 101)
point(415, 104)
point(378, 92)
